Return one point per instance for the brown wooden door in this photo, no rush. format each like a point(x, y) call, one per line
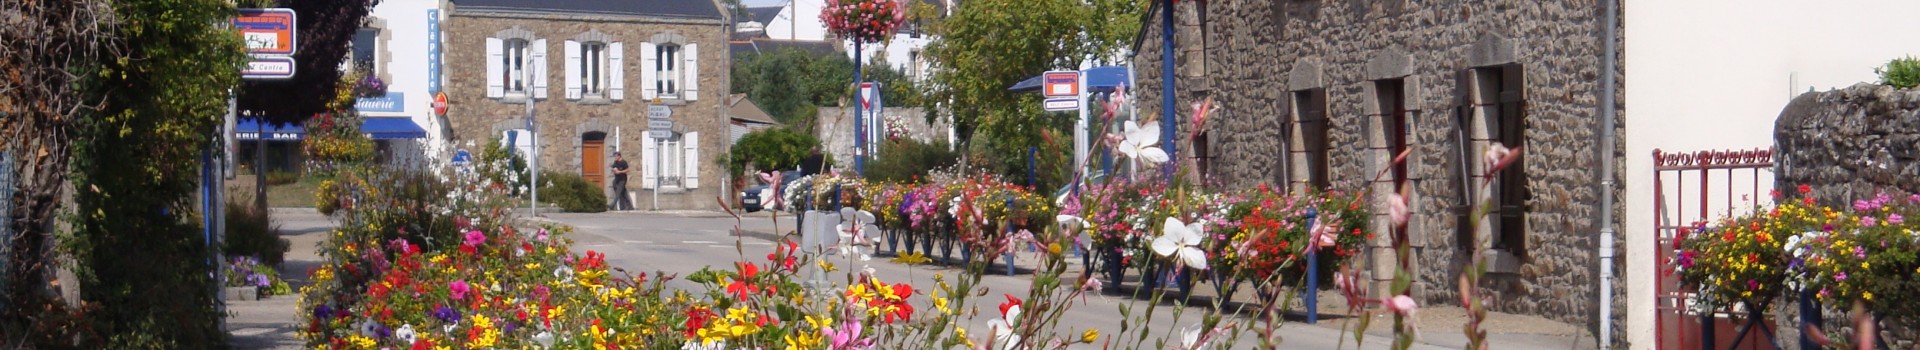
point(593, 162)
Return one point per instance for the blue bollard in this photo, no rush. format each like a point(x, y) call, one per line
point(1312, 294)
point(1809, 315)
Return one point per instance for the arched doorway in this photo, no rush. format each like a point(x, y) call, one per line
point(593, 158)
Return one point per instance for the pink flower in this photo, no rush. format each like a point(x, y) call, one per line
point(1499, 157)
point(458, 289)
point(1402, 305)
point(847, 337)
point(1866, 221)
point(1895, 219)
point(476, 238)
point(1093, 283)
point(1320, 236)
point(1397, 209)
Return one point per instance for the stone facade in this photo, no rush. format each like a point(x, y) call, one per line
point(565, 123)
point(1252, 58)
point(1847, 144)
point(835, 129)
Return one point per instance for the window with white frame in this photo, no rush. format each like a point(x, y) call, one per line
point(516, 65)
point(595, 69)
point(670, 68)
point(365, 50)
point(666, 70)
point(514, 58)
point(673, 163)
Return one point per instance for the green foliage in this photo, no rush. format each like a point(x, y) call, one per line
point(908, 160)
point(1903, 73)
point(500, 165)
point(252, 233)
point(770, 149)
point(136, 166)
point(326, 29)
point(788, 84)
point(572, 192)
point(282, 177)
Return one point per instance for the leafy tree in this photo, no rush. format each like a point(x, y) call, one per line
point(770, 149)
point(788, 83)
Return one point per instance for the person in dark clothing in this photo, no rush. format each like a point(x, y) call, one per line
point(620, 199)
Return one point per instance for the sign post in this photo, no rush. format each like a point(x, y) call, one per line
point(872, 112)
point(659, 128)
point(271, 39)
point(1066, 91)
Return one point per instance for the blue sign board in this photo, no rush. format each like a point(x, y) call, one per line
point(392, 102)
point(462, 157)
point(433, 51)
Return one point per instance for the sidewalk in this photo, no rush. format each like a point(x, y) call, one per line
point(273, 322)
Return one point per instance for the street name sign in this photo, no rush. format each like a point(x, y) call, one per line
point(268, 68)
point(1062, 104)
point(659, 122)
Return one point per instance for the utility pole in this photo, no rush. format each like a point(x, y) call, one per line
point(533, 127)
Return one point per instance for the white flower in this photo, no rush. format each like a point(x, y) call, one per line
point(1190, 337)
point(1071, 223)
point(1003, 337)
point(1140, 143)
point(369, 328)
point(695, 344)
point(563, 273)
point(1181, 241)
point(406, 334)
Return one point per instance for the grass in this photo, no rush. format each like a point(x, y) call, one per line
point(298, 194)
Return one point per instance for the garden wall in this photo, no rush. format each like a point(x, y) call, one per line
point(1847, 144)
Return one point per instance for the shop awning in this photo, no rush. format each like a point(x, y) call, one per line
point(388, 128)
point(251, 129)
point(378, 128)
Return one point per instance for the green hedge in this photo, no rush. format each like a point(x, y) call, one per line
point(251, 232)
point(902, 160)
point(572, 192)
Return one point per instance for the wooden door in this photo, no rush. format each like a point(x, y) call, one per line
point(593, 162)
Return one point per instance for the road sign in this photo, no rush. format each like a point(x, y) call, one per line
point(440, 104)
point(268, 68)
point(1062, 104)
point(268, 31)
point(659, 112)
point(1061, 84)
point(659, 122)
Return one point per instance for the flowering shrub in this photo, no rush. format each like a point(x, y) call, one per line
point(863, 20)
point(1269, 234)
point(334, 140)
point(1740, 260)
point(244, 271)
point(1870, 254)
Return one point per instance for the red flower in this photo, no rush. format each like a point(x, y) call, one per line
point(740, 286)
point(1011, 302)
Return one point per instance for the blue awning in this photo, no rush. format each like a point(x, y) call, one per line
point(250, 129)
point(378, 128)
point(386, 128)
point(1099, 79)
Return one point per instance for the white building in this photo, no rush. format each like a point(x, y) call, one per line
point(399, 43)
point(1713, 75)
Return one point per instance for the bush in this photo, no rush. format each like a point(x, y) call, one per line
point(770, 149)
point(251, 233)
point(280, 177)
point(1901, 73)
point(903, 160)
point(572, 192)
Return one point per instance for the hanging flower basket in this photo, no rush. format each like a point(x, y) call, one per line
point(863, 21)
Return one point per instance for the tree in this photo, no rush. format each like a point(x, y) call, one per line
point(770, 149)
point(788, 83)
point(325, 30)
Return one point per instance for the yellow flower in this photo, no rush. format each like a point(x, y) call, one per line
point(361, 342)
point(1089, 336)
point(1865, 265)
point(1053, 248)
point(824, 265)
point(959, 332)
point(1867, 295)
point(940, 303)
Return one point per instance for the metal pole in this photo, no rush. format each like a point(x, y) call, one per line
point(859, 119)
point(1167, 126)
point(1312, 295)
point(1610, 53)
point(533, 127)
point(658, 146)
point(1080, 136)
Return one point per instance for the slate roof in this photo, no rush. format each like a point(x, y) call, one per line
point(745, 110)
point(763, 15)
point(695, 9)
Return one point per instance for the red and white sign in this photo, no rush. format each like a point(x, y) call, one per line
point(267, 31)
point(1061, 84)
point(440, 104)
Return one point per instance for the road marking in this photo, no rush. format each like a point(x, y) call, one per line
point(698, 242)
point(718, 246)
point(760, 243)
point(638, 242)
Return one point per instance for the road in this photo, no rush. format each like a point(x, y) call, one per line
point(686, 241)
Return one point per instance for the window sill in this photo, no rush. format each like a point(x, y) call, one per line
point(672, 101)
point(512, 99)
point(1501, 261)
point(594, 100)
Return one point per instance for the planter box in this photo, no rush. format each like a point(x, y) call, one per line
point(243, 293)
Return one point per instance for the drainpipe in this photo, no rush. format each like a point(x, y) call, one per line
point(1167, 126)
point(1610, 53)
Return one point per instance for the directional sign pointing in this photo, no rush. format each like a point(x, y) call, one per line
point(268, 68)
point(1062, 104)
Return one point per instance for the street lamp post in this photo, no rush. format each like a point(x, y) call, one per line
point(533, 127)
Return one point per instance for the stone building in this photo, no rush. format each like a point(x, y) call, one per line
point(1324, 93)
point(593, 69)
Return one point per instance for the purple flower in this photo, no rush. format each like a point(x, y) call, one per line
point(446, 314)
point(1860, 252)
point(321, 312)
point(1838, 277)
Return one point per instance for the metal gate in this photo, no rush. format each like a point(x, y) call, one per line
point(1693, 187)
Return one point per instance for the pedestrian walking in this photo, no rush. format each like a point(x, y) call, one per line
point(620, 199)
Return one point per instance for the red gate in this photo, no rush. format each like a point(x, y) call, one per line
point(1729, 181)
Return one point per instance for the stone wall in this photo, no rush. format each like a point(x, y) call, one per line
point(475, 118)
point(835, 130)
point(1847, 144)
point(1249, 56)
